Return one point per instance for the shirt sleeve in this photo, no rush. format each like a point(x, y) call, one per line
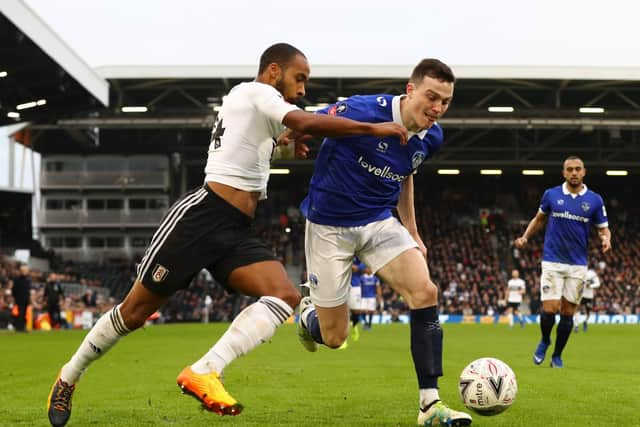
point(270, 103)
point(600, 215)
point(434, 140)
point(351, 108)
point(545, 203)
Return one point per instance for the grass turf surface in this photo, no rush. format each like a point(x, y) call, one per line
point(372, 383)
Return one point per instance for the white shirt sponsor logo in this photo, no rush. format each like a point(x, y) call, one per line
point(384, 172)
point(567, 215)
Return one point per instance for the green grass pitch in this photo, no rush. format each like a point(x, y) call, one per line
point(371, 383)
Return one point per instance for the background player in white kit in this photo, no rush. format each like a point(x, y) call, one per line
point(591, 282)
point(567, 211)
point(212, 227)
point(515, 290)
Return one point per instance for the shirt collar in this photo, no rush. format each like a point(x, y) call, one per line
point(565, 190)
point(397, 116)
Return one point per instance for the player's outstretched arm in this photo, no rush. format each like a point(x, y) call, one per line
point(538, 222)
point(330, 126)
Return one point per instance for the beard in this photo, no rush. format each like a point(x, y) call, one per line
point(279, 85)
point(577, 184)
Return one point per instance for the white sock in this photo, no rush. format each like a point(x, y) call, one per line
point(105, 334)
point(253, 326)
point(427, 396)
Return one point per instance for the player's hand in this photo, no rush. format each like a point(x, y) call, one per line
point(520, 242)
point(391, 129)
point(301, 149)
point(287, 137)
point(606, 245)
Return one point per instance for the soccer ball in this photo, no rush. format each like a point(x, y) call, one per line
point(488, 386)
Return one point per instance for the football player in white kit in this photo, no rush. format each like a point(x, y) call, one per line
point(212, 227)
point(591, 282)
point(515, 290)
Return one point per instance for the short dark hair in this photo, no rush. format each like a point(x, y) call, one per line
point(280, 53)
point(572, 158)
point(433, 68)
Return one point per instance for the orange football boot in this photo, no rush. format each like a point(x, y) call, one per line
point(209, 390)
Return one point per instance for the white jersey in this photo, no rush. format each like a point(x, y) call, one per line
point(244, 136)
point(514, 287)
point(591, 281)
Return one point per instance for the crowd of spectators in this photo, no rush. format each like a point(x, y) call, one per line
point(29, 297)
point(469, 237)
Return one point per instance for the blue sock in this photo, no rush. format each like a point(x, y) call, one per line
point(547, 320)
point(426, 346)
point(563, 332)
point(313, 326)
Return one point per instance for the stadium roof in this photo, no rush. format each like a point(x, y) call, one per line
point(538, 118)
point(40, 76)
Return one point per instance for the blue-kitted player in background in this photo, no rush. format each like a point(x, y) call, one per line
point(355, 297)
point(568, 211)
point(371, 296)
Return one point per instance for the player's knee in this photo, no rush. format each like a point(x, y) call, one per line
point(424, 296)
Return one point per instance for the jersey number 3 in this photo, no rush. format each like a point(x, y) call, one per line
point(216, 136)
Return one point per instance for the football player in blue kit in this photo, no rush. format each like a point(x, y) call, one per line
point(371, 295)
point(342, 223)
point(568, 211)
point(355, 297)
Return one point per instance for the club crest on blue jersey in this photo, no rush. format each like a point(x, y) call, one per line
point(417, 159)
point(585, 206)
point(341, 108)
point(313, 281)
point(560, 202)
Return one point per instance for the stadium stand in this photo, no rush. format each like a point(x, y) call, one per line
point(107, 176)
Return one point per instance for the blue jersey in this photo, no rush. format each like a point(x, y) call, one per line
point(368, 283)
point(355, 275)
point(569, 219)
point(357, 180)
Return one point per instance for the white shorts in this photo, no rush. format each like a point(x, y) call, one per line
point(330, 250)
point(587, 292)
point(562, 280)
point(368, 304)
point(355, 299)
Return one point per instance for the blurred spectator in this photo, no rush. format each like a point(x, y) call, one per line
point(53, 293)
point(21, 292)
